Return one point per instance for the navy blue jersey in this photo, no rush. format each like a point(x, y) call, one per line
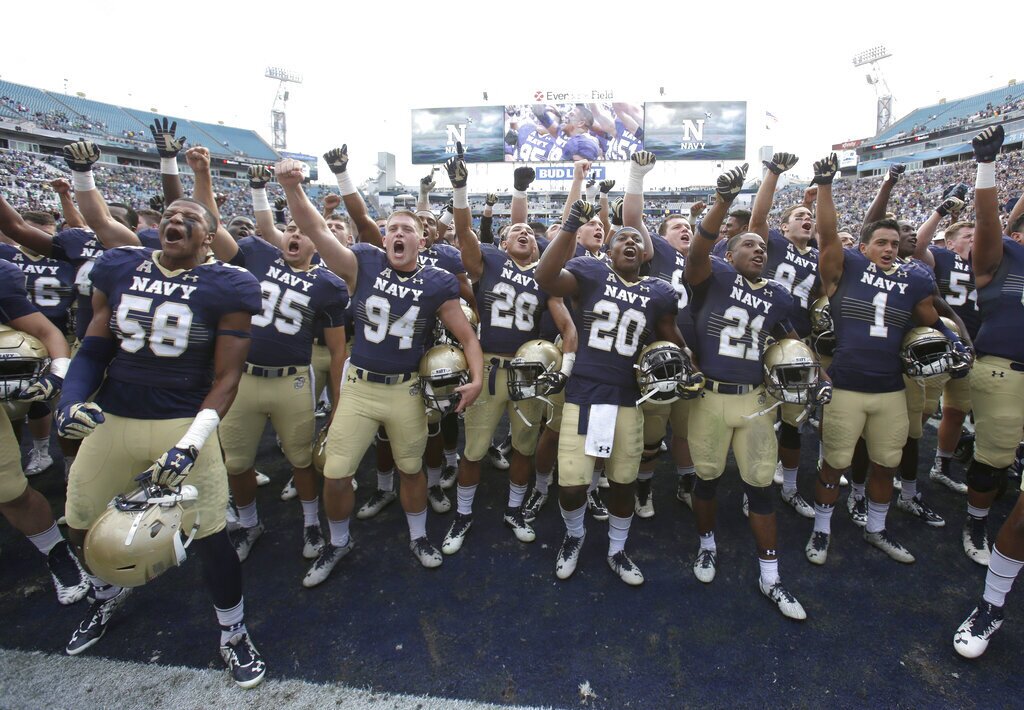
point(956, 284)
point(583, 145)
point(150, 238)
point(395, 314)
point(668, 265)
point(14, 301)
point(796, 270)
point(510, 301)
point(293, 302)
point(79, 247)
point(542, 242)
point(166, 324)
point(615, 319)
point(1002, 307)
point(624, 144)
point(50, 283)
point(733, 319)
point(871, 311)
point(443, 256)
point(534, 146)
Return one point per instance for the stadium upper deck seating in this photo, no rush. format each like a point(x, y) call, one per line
point(938, 115)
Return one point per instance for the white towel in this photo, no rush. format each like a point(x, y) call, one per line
point(601, 430)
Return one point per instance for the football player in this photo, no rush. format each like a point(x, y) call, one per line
point(396, 302)
point(621, 311)
point(874, 302)
point(163, 354)
point(24, 507)
point(511, 314)
point(276, 382)
point(997, 393)
point(735, 310)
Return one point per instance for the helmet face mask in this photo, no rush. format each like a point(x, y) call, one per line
point(926, 353)
point(142, 535)
point(526, 377)
point(661, 368)
point(791, 372)
point(23, 359)
point(823, 336)
point(443, 336)
point(443, 368)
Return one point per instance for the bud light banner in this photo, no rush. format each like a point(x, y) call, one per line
point(480, 129)
point(696, 130)
point(566, 172)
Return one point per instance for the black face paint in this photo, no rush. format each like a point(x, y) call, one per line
point(190, 223)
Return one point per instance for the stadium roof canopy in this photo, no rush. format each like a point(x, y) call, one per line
point(940, 115)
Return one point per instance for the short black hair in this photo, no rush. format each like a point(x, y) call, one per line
point(870, 228)
point(742, 216)
point(130, 214)
point(538, 227)
point(211, 220)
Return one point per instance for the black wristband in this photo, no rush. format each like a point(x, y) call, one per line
point(705, 233)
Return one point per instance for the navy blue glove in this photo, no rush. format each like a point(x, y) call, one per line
point(46, 387)
point(171, 468)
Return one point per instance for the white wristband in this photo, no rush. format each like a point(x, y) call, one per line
point(345, 183)
point(203, 425)
point(168, 166)
point(83, 181)
point(446, 218)
point(518, 193)
point(59, 366)
point(460, 198)
point(260, 203)
point(986, 176)
point(568, 360)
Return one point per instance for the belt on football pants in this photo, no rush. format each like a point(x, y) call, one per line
point(728, 387)
point(382, 379)
point(257, 371)
point(497, 363)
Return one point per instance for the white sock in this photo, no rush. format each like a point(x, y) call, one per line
point(41, 445)
point(908, 489)
point(618, 531)
point(310, 512)
point(232, 621)
point(574, 520)
point(789, 480)
point(940, 454)
point(769, 571)
point(465, 495)
point(686, 470)
point(707, 541)
point(339, 532)
point(823, 518)
point(451, 458)
point(543, 481)
point(47, 539)
point(876, 516)
point(979, 513)
point(644, 475)
point(417, 524)
point(999, 579)
point(386, 480)
point(248, 516)
point(594, 478)
point(433, 476)
point(516, 494)
point(100, 589)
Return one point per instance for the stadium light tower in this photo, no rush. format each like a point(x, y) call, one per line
point(883, 96)
point(277, 113)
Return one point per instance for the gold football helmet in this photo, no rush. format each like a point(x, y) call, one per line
point(926, 352)
point(23, 359)
point(442, 369)
point(442, 336)
point(823, 335)
point(665, 373)
point(535, 360)
point(791, 372)
point(142, 535)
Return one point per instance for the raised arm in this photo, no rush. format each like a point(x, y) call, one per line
point(830, 249)
point(338, 257)
point(168, 146)
point(951, 205)
point(487, 219)
point(780, 163)
point(224, 246)
point(987, 249)
point(259, 176)
point(605, 186)
point(880, 204)
point(80, 157)
point(550, 274)
point(28, 235)
point(698, 262)
point(581, 168)
point(522, 178)
point(337, 161)
point(426, 185)
point(458, 173)
point(72, 217)
point(641, 163)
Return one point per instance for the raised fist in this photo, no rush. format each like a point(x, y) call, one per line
point(511, 138)
point(198, 158)
point(491, 200)
point(950, 205)
point(580, 213)
point(456, 168)
point(522, 178)
point(167, 145)
point(987, 144)
point(781, 162)
point(427, 183)
point(337, 159)
point(61, 186)
point(696, 208)
point(896, 171)
point(221, 199)
point(958, 190)
point(280, 204)
point(606, 186)
point(825, 170)
point(81, 155)
point(642, 162)
point(591, 190)
point(259, 176)
point(581, 169)
point(156, 202)
point(331, 202)
point(289, 172)
point(615, 211)
point(731, 182)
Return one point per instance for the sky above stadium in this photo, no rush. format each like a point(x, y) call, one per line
point(365, 65)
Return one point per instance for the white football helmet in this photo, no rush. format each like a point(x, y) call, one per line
point(23, 359)
point(442, 369)
point(791, 372)
point(142, 535)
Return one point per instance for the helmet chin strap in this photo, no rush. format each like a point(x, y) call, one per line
point(545, 400)
point(755, 415)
